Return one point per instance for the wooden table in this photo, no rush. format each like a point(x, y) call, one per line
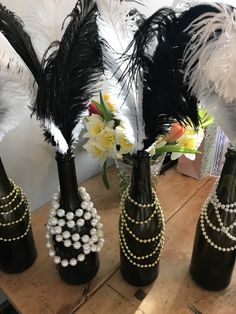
point(39, 290)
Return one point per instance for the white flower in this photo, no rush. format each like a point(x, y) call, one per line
point(191, 139)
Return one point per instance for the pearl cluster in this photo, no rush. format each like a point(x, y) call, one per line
point(157, 240)
point(204, 219)
point(59, 220)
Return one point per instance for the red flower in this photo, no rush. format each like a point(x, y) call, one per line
point(93, 108)
point(175, 132)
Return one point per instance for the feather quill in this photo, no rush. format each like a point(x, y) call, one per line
point(211, 64)
point(117, 22)
point(71, 73)
point(44, 22)
point(12, 28)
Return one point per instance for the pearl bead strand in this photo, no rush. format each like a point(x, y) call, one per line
point(157, 240)
point(204, 219)
point(86, 243)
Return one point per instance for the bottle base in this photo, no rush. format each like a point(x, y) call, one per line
point(19, 268)
point(210, 284)
point(80, 274)
point(139, 277)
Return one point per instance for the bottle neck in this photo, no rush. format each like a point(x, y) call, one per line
point(70, 197)
point(226, 189)
point(141, 190)
point(5, 185)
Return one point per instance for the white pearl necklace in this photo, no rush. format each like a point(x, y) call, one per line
point(204, 219)
point(86, 243)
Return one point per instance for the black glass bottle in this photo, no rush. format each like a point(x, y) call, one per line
point(17, 247)
point(211, 267)
point(133, 268)
point(70, 201)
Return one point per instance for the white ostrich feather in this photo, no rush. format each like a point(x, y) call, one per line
point(117, 29)
point(45, 20)
point(224, 114)
point(10, 61)
point(15, 97)
point(17, 88)
point(210, 57)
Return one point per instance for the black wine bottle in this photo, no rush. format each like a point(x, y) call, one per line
point(213, 254)
point(17, 247)
point(141, 226)
point(70, 202)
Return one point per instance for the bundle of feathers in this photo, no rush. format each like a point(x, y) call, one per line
point(57, 71)
point(145, 72)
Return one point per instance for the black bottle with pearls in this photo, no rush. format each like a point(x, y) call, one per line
point(17, 247)
point(74, 231)
point(141, 226)
point(214, 248)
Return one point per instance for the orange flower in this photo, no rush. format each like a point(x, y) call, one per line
point(175, 132)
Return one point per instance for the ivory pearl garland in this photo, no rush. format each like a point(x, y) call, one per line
point(221, 228)
point(156, 240)
point(60, 223)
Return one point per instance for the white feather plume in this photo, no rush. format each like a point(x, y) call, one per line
point(44, 22)
point(10, 61)
point(117, 29)
point(15, 97)
point(210, 56)
point(211, 65)
point(224, 114)
point(17, 88)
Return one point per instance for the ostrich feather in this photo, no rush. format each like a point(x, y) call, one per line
point(211, 65)
point(44, 22)
point(71, 71)
point(158, 47)
point(224, 114)
point(210, 55)
point(10, 61)
point(13, 29)
point(117, 22)
point(16, 94)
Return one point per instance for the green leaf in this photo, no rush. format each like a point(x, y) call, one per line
point(104, 175)
point(176, 149)
point(106, 111)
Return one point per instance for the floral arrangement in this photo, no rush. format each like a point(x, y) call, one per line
point(107, 136)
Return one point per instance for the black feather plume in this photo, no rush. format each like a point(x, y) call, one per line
point(157, 59)
point(70, 75)
point(13, 29)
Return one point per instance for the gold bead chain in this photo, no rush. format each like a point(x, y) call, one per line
point(18, 220)
point(138, 222)
point(18, 189)
point(21, 236)
point(122, 239)
point(123, 222)
point(23, 199)
point(14, 187)
point(126, 195)
point(142, 265)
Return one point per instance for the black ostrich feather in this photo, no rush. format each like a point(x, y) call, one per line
point(70, 75)
point(157, 59)
point(13, 29)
